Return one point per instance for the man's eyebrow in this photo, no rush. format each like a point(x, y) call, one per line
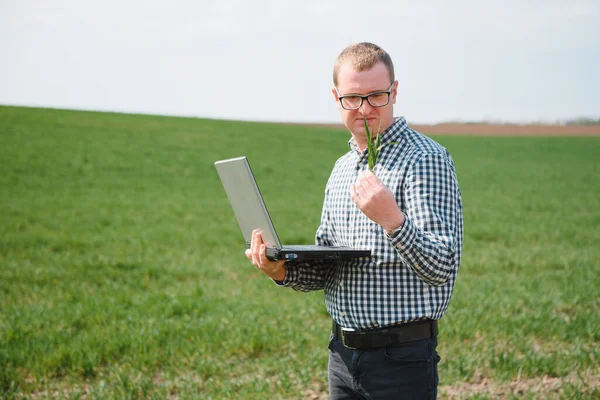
point(356, 94)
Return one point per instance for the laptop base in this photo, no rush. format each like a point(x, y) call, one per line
point(314, 252)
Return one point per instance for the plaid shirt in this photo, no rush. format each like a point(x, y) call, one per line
point(407, 277)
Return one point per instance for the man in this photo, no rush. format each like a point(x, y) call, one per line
point(408, 212)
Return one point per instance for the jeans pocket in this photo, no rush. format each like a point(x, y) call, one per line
point(409, 354)
point(331, 340)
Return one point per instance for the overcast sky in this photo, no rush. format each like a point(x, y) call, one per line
point(261, 60)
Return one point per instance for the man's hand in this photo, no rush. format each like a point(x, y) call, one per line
point(376, 201)
point(257, 253)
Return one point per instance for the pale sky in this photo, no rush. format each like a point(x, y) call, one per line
point(513, 61)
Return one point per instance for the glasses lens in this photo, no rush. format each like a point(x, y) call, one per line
point(351, 102)
point(378, 99)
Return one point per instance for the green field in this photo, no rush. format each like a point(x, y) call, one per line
point(122, 273)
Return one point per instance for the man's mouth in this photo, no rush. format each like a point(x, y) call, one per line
point(370, 122)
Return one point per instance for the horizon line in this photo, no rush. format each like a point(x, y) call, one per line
point(575, 120)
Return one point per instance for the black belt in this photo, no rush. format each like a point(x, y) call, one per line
point(389, 336)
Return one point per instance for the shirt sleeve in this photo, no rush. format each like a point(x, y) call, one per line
point(428, 239)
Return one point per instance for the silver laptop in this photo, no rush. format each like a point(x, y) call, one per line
point(251, 213)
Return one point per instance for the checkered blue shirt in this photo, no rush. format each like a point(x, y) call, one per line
point(407, 277)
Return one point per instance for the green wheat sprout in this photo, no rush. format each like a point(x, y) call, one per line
point(374, 145)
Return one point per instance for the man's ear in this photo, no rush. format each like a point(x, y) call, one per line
point(335, 96)
point(394, 92)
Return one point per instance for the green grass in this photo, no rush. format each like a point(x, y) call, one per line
point(122, 271)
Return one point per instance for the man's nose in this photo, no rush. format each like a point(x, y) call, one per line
point(365, 108)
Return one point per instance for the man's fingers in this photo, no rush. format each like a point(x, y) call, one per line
point(253, 245)
point(371, 185)
point(256, 242)
point(354, 193)
point(362, 188)
point(263, 254)
point(257, 253)
point(372, 179)
point(264, 260)
point(363, 185)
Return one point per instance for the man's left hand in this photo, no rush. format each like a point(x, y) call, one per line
point(376, 201)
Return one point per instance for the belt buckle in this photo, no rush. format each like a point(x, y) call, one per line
point(350, 337)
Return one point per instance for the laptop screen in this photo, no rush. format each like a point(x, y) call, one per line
point(246, 200)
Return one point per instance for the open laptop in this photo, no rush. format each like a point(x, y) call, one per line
point(251, 213)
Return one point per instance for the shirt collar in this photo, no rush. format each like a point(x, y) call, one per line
point(392, 134)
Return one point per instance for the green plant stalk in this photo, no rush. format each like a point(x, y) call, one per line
point(373, 144)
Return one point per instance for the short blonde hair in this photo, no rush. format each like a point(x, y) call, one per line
point(363, 56)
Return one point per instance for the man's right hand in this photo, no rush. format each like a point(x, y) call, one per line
point(257, 253)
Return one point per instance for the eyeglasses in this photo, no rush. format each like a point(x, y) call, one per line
point(375, 99)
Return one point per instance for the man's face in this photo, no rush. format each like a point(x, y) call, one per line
point(351, 81)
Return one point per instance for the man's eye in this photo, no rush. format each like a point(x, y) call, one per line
point(352, 99)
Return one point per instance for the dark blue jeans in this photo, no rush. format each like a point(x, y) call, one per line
point(407, 371)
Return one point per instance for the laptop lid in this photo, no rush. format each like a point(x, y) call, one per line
point(246, 200)
point(251, 213)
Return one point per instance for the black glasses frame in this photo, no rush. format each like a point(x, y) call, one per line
point(366, 96)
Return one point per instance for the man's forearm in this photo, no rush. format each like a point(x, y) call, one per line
point(279, 275)
point(428, 255)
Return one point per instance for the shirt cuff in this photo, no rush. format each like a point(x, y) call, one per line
point(291, 275)
point(407, 234)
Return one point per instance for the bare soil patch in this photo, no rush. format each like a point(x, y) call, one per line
point(543, 387)
point(498, 129)
point(509, 129)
